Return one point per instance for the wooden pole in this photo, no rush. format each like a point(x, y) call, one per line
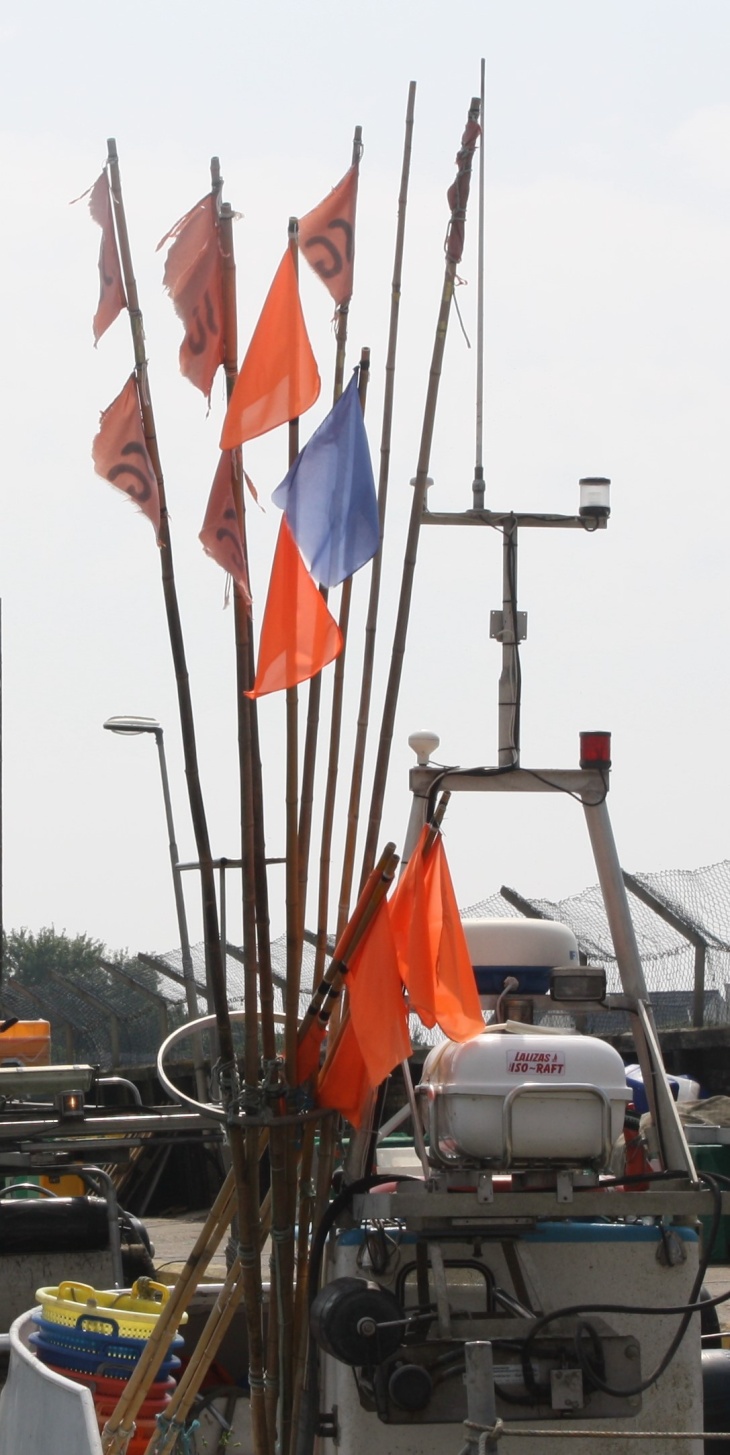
point(418, 504)
point(258, 986)
point(213, 958)
point(338, 692)
point(309, 756)
point(217, 1324)
point(142, 1375)
point(252, 815)
point(326, 996)
point(294, 930)
point(363, 716)
point(478, 481)
point(248, 1223)
point(242, 632)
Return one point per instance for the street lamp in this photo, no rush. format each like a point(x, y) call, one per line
point(133, 727)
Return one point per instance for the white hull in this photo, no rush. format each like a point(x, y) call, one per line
point(559, 1265)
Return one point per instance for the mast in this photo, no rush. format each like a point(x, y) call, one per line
point(309, 758)
point(338, 691)
point(366, 681)
point(478, 484)
point(454, 247)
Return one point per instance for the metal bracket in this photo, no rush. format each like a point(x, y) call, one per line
point(485, 1187)
point(564, 1186)
point(327, 1425)
point(496, 626)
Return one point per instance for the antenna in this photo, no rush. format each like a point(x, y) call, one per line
point(478, 483)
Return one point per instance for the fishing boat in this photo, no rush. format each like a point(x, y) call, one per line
point(507, 1278)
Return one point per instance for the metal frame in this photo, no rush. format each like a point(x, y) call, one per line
point(590, 787)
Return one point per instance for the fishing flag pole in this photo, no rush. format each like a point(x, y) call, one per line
point(478, 484)
point(214, 959)
point(197, 809)
point(363, 716)
point(309, 757)
point(338, 692)
point(458, 194)
point(258, 984)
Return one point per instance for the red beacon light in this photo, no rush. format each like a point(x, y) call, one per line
point(595, 750)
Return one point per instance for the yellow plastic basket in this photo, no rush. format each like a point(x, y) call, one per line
point(136, 1310)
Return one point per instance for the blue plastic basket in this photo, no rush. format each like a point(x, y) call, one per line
point(96, 1334)
point(95, 1361)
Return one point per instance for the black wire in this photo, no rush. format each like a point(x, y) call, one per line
point(591, 1366)
point(591, 803)
point(687, 1309)
point(480, 772)
point(309, 1409)
point(457, 772)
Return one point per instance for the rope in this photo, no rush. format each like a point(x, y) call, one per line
point(183, 1434)
point(499, 1430)
point(282, 1235)
point(487, 1433)
point(118, 1438)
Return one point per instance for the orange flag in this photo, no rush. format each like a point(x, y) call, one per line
point(344, 1082)
point(120, 453)
point(112, 298)
point(375, 1039)
point(221, 533)
point(299, 636)
point(327, 237)
point(193, 278)
point(377, 1007)
point(434, 957)
point(278, 379)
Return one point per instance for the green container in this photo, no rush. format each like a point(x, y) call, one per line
point(23, 1191)
point(715, 1157)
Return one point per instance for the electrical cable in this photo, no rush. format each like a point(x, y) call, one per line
point(686, 1310)
point(309, 1409)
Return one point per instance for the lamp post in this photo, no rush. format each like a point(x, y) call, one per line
point(133, 727)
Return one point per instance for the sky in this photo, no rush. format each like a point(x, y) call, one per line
point(607, 313)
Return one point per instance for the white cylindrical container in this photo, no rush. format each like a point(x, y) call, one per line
point(527, 1098)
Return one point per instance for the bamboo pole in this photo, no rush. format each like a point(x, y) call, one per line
point(282, 1142)
point(478, 482)
point(363, 716)
point(293, 927)
point(256, 940)
point(309, 756)
point(338, 692)
point(242, 625)
point(382, 873)
point(217, 1324)
point(326, 996)
point(258, 985)
point(197, 809)
point(253, 847)
point(362, 1140)
point(213, 952)
point(418, 504)
point(142, 1376)
point(301, 1304)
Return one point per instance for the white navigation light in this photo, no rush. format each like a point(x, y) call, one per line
point(595, 497)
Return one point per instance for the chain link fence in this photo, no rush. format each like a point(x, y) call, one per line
point(682, 924)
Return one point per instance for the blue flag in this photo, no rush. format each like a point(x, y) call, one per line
point(328, 495)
